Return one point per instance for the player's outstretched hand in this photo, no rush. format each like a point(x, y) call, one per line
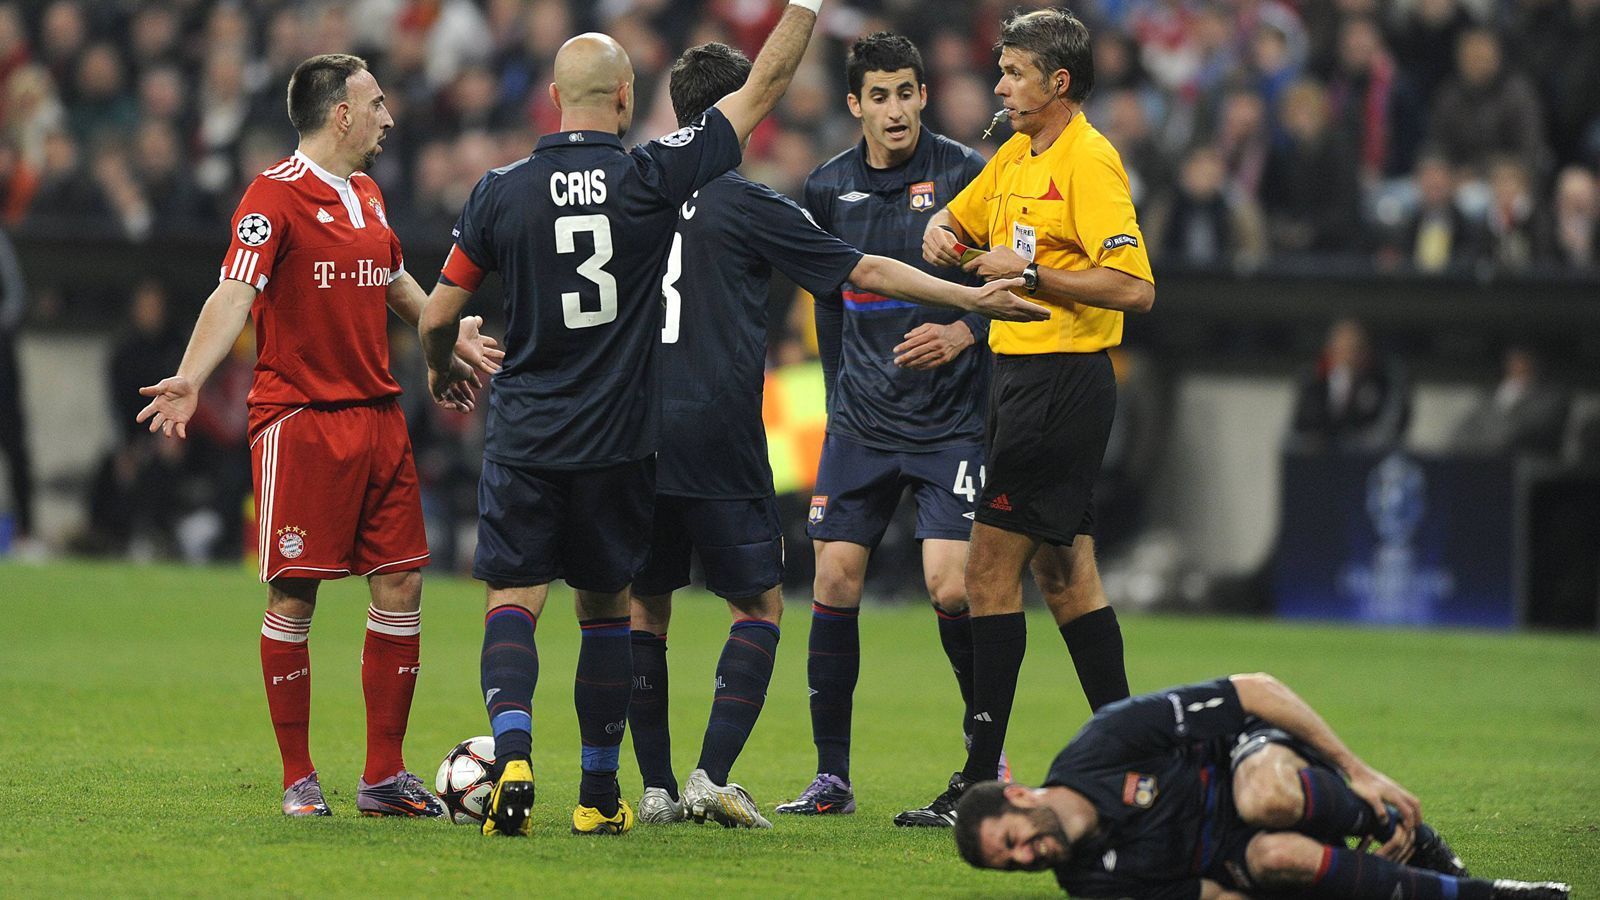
point(478, 350)
point(172, 406)
point(996, 301)
point(456, 389)
point(939, 247)
point(1377, 789)
point(1001, 262)
point(931, 345)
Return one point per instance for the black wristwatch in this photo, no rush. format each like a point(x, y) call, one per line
point(1030, 277)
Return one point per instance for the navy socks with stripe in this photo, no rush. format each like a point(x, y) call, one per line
point(647, 712)
point(508, 670)
point(743, 672)
point(600, 692)
point(1332, 811)
point(833, 664)
point(1349, 873)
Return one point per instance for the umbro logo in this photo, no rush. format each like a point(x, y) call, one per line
point(853, 196)
point(970, 515)
point(322, 216)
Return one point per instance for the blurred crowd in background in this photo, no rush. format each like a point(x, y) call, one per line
point(1458, 137)
point(1423, 133)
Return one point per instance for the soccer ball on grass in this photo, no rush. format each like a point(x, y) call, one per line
point(466, 779)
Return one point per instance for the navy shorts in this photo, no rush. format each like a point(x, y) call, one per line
point(858, 488)
point(739, 542)
point(590, 527)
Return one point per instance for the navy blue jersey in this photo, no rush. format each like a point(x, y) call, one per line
point(579, 232)
point(731, 235)
point(1155, 767)
point(883, 212)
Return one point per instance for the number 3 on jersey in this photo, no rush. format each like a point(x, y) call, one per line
point(593, 268)
point(669, 292)
point(963, 486)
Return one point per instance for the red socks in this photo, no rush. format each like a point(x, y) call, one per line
point(388, 680)
point(286, 669)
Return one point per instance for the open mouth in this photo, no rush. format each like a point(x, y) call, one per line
point(897, 131)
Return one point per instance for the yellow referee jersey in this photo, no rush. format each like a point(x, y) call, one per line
point(1067, 208)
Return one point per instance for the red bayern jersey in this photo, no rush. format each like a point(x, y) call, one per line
point(319, 250)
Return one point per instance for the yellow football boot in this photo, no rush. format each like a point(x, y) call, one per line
point(587, 820)
point(511, 805)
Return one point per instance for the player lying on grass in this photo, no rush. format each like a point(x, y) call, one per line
point(1221, 790)
point(713, 483)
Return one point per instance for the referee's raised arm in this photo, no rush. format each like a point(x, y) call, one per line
point(774, 67)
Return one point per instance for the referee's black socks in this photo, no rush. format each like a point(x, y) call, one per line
point(998, 645)
point(1095, 641)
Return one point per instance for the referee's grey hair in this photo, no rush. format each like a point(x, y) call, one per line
point(1057, 39)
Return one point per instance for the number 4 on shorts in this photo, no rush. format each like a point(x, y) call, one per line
point(963, 486)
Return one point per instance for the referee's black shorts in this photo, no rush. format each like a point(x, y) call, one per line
point(1049, 419)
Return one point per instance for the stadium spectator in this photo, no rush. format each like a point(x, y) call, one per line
point(1310, 190)
point(176, 205)
point(1371, 103)
point(1525, 414)
point(1486, 109)
point(154, 32)
point(1509, 223)
point(1353, 400)
point(62, 34)
point(1198, 227)
point(1560, 43)
point(67, 202)
point(1569, 233)
point(1244, 141)
point(1426, 42)
point(224, 109)
point(1435, 235)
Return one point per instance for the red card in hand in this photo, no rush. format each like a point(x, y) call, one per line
point(967, 254)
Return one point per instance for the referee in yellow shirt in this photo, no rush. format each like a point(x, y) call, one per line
point(1053, 208)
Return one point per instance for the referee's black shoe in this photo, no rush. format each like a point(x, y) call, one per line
point(1432, 853)
point(941, 813)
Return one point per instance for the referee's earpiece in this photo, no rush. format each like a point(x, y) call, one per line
point(1058, 87)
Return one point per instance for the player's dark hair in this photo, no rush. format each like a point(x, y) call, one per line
point(1057, 39)
point(981, 801)
point(703, 75)
point(883, 51)
point(317, 85)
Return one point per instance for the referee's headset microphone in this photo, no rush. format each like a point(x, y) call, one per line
point(1000, 113)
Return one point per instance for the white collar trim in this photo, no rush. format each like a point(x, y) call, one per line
point(341, 186)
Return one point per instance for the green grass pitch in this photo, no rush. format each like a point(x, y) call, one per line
point(136, 757)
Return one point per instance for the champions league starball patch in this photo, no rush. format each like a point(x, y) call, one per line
point(253, 230)
point(291, 542)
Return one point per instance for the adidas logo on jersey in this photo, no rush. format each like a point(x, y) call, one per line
point(322, 216)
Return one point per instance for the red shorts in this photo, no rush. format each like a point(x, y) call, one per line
point(336, 493)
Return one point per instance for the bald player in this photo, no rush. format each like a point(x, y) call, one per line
point(579, 232)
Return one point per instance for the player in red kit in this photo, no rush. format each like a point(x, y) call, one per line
point(314, 263)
